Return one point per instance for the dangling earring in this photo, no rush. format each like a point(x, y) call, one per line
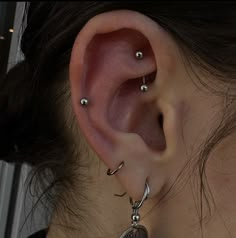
point(144, 87)
point(136, 230)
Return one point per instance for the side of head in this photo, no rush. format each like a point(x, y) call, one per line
point(87, 49)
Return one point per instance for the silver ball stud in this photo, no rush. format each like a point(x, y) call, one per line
point(135, 217)
point(144, 88)
point(139, 55)
point(84, 101)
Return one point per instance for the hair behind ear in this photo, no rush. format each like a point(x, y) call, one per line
point(15, 97)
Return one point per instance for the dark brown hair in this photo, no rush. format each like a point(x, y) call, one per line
point(30, 105)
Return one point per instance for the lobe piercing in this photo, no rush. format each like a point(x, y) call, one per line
point(112, 172)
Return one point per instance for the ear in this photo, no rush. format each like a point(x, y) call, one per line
point(120, 122)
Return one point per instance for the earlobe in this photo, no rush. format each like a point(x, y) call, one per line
point(109, 79)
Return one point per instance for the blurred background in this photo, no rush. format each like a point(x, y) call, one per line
point(15, 202)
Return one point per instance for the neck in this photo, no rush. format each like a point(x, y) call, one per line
point(91, 209)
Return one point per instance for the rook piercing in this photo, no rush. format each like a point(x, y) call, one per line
point(144, 87)
point(84, 101)
point(109, 172)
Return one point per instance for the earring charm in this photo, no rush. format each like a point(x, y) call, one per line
point(136, 230)
point(84, 101)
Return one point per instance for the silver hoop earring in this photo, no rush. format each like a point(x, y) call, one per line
point(112, 172)
point(136, 230)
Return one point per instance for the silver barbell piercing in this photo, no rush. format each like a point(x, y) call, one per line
point(144, 87)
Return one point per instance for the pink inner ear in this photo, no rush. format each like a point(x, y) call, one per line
point(128, 113)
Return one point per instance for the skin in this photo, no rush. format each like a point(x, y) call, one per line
point(124, 127)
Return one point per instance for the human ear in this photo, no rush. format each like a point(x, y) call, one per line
point(120, 122)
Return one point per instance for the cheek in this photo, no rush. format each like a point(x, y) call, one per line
point(202, 117)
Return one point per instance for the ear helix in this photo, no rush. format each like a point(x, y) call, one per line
point(143, 88)
point(135, 230)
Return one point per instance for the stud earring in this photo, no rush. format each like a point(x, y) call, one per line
point(84, 101)
point(136, 230)
point(139, 55)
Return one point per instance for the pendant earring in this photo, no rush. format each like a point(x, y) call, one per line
point(136, 230)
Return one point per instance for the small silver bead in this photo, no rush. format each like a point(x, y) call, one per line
point(139, 55)
point(144, 88)
point(84, 101)
point(135, 217)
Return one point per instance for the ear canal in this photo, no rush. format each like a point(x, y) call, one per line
point(128, 113)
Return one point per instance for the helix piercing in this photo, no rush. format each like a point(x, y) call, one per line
point(84, 101)
point(112, 172)
point(139, 55)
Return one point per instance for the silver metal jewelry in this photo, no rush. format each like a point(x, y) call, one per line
point(84, 101)
point(144, 87)
point(136, 230)
point(112, 172)
point(139, 54)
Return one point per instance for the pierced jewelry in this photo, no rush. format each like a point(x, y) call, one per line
point(84, 101)
point(120, 195)
point(139, 54)
point(144, 87)
point(136, 230)
point(112, 172)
